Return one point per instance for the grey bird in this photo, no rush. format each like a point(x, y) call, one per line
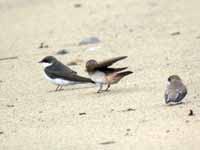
point(175, 91)
point(57, 73)
point(101, 73)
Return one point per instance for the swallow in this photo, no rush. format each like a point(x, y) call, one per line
point(175, 90)
point(59, 74)
point(102, 74)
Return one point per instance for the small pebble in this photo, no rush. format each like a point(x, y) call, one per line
point(191, 113)
point(77, 5)
point(108, 142)
point(42, 45)
point(62, 52)
point(175, 33)
point(10, 105)
point(82, 113)
point(128, 130)
point(111, 110)
point(72, 63)
point(1, 132)
point(187, 121)
point(167, 131)
point(130, 30)
point(129, 109)
point(89, 40)
point(198, 37)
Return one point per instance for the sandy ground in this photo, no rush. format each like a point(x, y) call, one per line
point(160, 37)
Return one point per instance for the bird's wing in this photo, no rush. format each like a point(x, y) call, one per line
point(170, 93)
point(109, 62)
point(174, 94)
point(111, 70)
point(66, 75)
point(62, 67)
point(181, 91)
point(180, 94)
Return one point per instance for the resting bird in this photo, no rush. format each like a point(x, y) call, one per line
point(61, 75)
point(176, 90)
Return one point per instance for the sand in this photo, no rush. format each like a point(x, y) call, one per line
point(160, 38)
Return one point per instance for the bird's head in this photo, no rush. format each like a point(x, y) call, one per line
point(173, 78)
point(48, 61)
point(90, 65)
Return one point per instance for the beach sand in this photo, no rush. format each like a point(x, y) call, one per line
point(160, 38)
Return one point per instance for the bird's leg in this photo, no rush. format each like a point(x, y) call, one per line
point(100, 88)
point(108, 86)
point(60, 88)
point(57, 88)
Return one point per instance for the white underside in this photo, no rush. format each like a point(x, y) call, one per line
point(59, 81)
point(98, 77)
point(46, 64)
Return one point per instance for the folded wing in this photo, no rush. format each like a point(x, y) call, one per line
point(66, 73)
point(109, 62)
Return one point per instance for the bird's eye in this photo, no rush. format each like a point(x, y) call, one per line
point(46, 61)
point(169, 79)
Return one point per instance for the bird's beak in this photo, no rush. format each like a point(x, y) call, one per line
point(39, 61)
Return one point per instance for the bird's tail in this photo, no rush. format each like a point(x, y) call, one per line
point(120, 75)
point(120, 69)
point(125, 73)
point(83, 80)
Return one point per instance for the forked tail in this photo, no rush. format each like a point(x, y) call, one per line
point(125, 73)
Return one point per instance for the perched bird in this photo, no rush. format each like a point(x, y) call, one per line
point(176, 90)
point(59, 74)
point(101, 74)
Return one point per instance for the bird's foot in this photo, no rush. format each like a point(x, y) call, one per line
point(59, 88)
point(100, 91)
point(107, 90)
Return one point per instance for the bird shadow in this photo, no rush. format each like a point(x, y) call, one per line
point(121, 90)
point(71, 89)
point(111, 91)
point(172, 105)
point(175, 104)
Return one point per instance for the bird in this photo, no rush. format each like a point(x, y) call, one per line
point(102, 74)
point(175, 91)
point(61, 75)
